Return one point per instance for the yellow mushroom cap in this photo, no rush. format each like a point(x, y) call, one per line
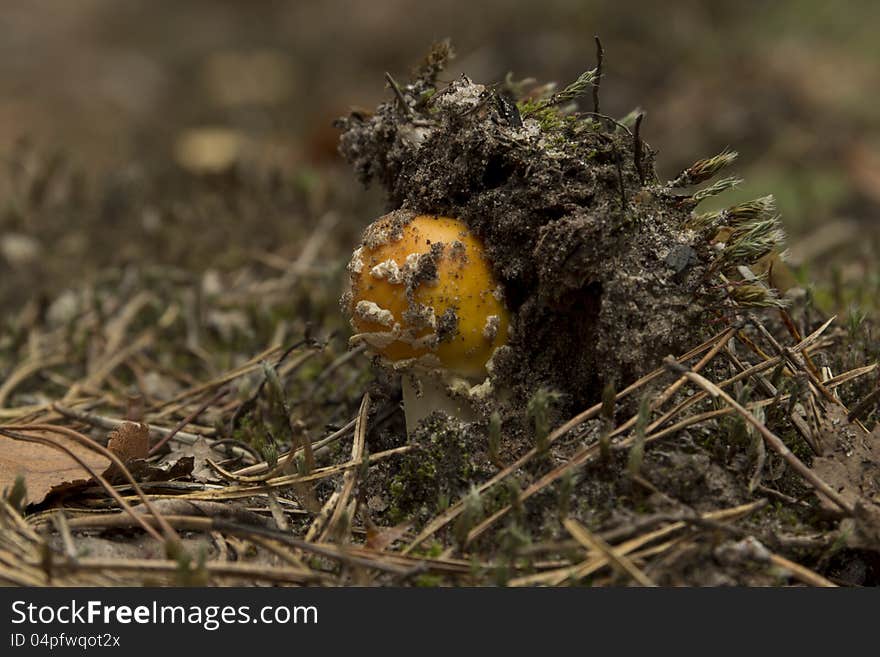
point(422, 288)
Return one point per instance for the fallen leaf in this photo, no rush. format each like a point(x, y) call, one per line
point(142, 470)
point(46, 469)
point(199, 453)
point(851, 466)
point(379, 538)
point(131, 440)
point(851, 461)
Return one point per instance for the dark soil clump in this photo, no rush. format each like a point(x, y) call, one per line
point(601, 270)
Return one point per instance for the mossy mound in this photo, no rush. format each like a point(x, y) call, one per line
point(438, 472)
point(606, 269)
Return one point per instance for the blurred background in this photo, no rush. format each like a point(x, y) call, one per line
point(112, 112)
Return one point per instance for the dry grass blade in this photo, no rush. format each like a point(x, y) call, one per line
point(453, 511)
point(161, 434)
point(19, 523)
point(110, 423)
point(63, 528)
point(264, 467)
point(323, 515)
point(590, 452)
point(233, 492)
point(751, 371)
point(815, 335)
point(349, 479)
point(797, 362)
point(846, 377)
point(772, 440)
point(173, 405)
point(349, 555)
point(721, 412)
point(189, 418)
point(328, 550)
point(592, 542)
point(700, 396)
point(96, 379)
point(593, 564)
point(24, 371)
point(115, 329)
point(864, 406)
point(705, 360)
point(800, 572)
point(794, 414)
point(244, 571)
point(390, 562)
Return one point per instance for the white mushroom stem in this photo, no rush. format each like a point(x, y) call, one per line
point(427, 395)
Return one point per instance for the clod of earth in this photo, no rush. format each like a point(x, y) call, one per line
point(605, 270)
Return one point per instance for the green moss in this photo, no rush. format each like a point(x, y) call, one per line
point(429, 581)
point(437, 471)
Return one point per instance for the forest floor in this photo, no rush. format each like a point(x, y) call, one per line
point(174, 233)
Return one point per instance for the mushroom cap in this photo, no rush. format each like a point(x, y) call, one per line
point(423, 292)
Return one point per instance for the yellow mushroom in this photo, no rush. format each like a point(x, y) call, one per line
point(423, 297)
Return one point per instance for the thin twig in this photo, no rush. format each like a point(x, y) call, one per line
point(637, 148)
point(189, 418)
point(221, 569)
point(401, 99)
point(865, 406)
point(600, 56)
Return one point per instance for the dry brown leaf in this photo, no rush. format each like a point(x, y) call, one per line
point(45, 468)
point(851, 462)
point(131, 440)
point(379, 538)
point(142, 470)
point(198, 454)
point(851, 465)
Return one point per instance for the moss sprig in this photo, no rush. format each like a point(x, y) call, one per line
point(703, 170)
